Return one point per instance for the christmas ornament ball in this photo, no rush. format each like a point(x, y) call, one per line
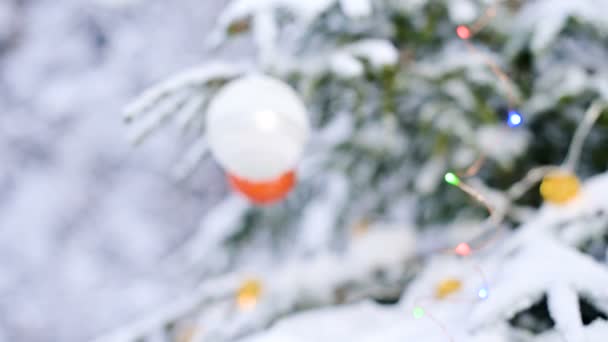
point(266, 192)
point(257, 127)
point(559, 187)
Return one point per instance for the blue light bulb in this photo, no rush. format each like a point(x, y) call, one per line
point(514, 119)
point(482, 293)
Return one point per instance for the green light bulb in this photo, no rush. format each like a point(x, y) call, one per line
point(452, 179)
point(418, 312)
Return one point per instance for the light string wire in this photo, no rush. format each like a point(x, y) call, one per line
point(465, 33)
point(572, 158)
point(419, 310)
point(532, 177)
point(514, 192)
point(464, 249)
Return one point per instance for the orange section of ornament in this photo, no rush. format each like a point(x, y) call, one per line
point(266, 192)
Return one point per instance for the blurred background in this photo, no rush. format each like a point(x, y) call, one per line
point(85, 217)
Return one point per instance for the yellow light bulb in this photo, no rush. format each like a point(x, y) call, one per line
point(446, 287)
point(559, 187)
point(248, 294)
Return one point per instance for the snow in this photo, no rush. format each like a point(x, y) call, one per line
point(462, 11)
point(242, 8)
point(364, 320)
point(566, 275)
point(295, 283)
point(8, 22)
point(265, 34)
point(117, 4)
point(356, 8)
point(197, 76)
point(346, 65)
point(219, 223)
point(318, 218)
point(461, 93)
point(502, 143)
point(394, 323)
point(565, 311)
point(430, 175)
point(85, 218)
point(555, 15)
point(192, 158)
point(378, 52)
point(573, 269)
point(337, 131)
point(594, 332)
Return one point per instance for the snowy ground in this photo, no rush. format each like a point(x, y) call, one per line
point(83, 216)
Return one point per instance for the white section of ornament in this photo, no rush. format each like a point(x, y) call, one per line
point(257, 127)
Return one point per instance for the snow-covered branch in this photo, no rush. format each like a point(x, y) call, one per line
point(381, 259)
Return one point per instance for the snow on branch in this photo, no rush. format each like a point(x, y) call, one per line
point(565, 311)
point(583, 129)
point(574, 269)
point(196, 77)
point(327, 278)
point(194, 156)
point(184, 95)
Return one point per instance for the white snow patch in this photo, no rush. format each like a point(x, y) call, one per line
point(356, 8)
point(430, 175)
point(574, 269)
point(219, 223)
point(265, 33)
point(319, 219)
point(462, 11)
point(502, 143)
point(242, 8)
point(565, 311)
point(378, 52)
point(345, 65)
point(555, 14)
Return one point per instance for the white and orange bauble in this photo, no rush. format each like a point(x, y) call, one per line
point(257, 128)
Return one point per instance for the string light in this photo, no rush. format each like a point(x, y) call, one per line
point(418, 312)
point(248, 294)
point(447, 287)
point(514, 119)
point(463, 249)
point(482, 293)
point(560, 187)
point(463, 32)
point(452, 179)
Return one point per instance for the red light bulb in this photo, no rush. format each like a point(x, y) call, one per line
point(463, 249)
point(463, 32)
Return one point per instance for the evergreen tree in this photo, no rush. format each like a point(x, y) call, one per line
point(397, 99)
